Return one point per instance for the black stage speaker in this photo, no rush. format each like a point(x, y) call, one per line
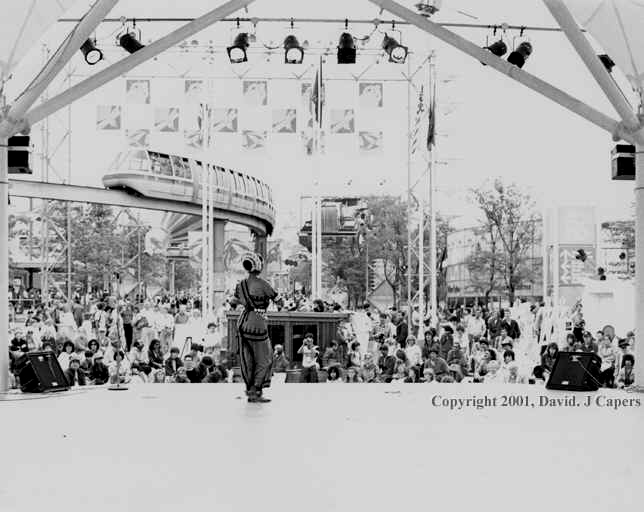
point(40, 372)
point(575, 371)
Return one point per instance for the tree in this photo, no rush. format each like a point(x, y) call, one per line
point(346, 264)
point(485, 263)
point(510, 220)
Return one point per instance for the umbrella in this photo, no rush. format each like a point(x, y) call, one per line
point(22, 24)
point(618, 26)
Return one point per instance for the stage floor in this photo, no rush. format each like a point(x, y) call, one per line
point(326, 447)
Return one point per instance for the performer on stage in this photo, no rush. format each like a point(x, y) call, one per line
point(255, 353)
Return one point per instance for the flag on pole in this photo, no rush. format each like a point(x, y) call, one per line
point(431, 130)
point(317, 96)
point(417, 123)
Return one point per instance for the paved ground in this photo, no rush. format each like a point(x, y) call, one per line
point(326, 447)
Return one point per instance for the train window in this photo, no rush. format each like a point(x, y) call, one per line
point(181, 167)
point(258, 189)
point(242, 182)
point(233, 182)
point(199, 167)
point(160, 164)
point(138, 160)
point(220, 178)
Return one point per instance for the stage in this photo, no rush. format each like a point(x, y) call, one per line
point(325, 447)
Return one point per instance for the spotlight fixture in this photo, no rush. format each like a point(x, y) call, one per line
point(397, 52)
point(293, 52)
point(130, 43)
point(581, 255)
point(92, 54)
point(607, 62)
point(346, 49)
point(237, 52)
point(521, 54)
point(498, 48)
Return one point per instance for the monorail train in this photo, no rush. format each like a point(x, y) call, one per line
point(177, 178)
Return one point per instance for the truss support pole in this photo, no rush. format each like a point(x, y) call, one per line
point(581, 45)
point(551, 92)
point(4, 267)
point(128, 63)
point(14, 123)
point(639, 262)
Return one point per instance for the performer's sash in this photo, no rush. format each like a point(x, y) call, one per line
point(251, 324)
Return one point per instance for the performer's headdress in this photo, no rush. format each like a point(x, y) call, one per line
point(255, 261)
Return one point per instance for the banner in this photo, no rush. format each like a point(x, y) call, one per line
point(370, 142)
point(370, 94)
point(285, 120)
point(108, 117)
point(137, 91)
point(193, 138)
point(254, 140)
point(225, 120)
point(194, 91)
point(255, 93)
point(166, 119)
point(138, 138)
point(342, 121)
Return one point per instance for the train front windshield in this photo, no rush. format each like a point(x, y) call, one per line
point(131, 160)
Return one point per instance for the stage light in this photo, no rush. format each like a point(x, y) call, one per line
point(130, 43)
point(607, 62)
point(237, 52)
point(346, 49)
point(521, 54)
point(397, 52)
point(92, 54)
point(499, 48)
point(581, 255)
point(293, 52)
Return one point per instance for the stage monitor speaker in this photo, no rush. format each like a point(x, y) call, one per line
point(41, 373)
point(575, 371)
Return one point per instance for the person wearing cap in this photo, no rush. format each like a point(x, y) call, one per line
point(74, 375)
point(254, 346)
point(623, 349)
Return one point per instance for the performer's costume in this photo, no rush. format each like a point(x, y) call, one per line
point(255, 352)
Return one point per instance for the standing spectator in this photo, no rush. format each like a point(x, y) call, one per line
point(446, 343)
point(494, 325)
point(402, 330)
point(127, 316)
point(623, 350)
point(309, 355)
point(77, 312)
point(511, 326)
point(475, 328)
point(280, 361)
point(608, 355)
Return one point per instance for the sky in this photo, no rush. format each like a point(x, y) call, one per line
point(488, 125)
